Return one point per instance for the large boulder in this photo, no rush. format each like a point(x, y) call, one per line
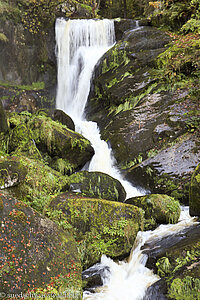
point(58, 141)
point(98, 185)
point(159, 209)
point(195, 193)
point(101, 226)
point(36, 255)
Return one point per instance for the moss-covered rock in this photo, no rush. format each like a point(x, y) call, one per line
point(11, 173)
point(181, 271)
point(159, 209)
point(19, 136)
point(98, 185)
point(40, 183)
point(195, 193)
point(101, 226)
point(36, 255)
point(59, 141)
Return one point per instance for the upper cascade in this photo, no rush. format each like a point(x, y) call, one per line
point(79, 45)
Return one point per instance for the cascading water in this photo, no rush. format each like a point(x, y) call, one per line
point(80, 44)
point(130, 280)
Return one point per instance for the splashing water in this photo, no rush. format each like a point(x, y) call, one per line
point(130, 280)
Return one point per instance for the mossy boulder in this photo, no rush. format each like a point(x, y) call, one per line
point(20, 141)
point(159, 209)
point(98, 185)
point(59, 141)
point(101, 226)
point(36, 255)
point(195, 193)
point(39, 184)
point(11, 173)
point(16, 119)
point(3, 119)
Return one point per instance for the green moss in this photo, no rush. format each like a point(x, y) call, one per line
point(162, 208)
point(40, 183)
point(100, 226)
point(186, 289)
point(181, 271)
point(39, 85)
point(39, 256)
point(117, 57)
point(97, 184)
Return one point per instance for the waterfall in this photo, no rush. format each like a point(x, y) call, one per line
point(79, 46)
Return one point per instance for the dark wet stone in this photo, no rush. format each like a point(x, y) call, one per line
point(3, 119)
point(156, 291)
point(63, 118)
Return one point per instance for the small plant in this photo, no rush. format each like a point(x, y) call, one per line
point(193, 123)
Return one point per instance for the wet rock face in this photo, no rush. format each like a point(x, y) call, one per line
point(63, 118)
point(123, 72)
point(195, 193)
point(26, 55)
point(35, 253)
point(170, 170)
point(151, 129)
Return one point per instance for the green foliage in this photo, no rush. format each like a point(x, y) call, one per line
point(3, 38)
point(179, 65)
point(191, 25)
point(38, 15)
point(130, 164)
point(163, 265)
point(193, 124)
point(186, 289)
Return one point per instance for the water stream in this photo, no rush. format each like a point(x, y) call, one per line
point(80, 44)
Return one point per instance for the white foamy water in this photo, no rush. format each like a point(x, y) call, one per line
point(130, 280)
point(80, 44)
